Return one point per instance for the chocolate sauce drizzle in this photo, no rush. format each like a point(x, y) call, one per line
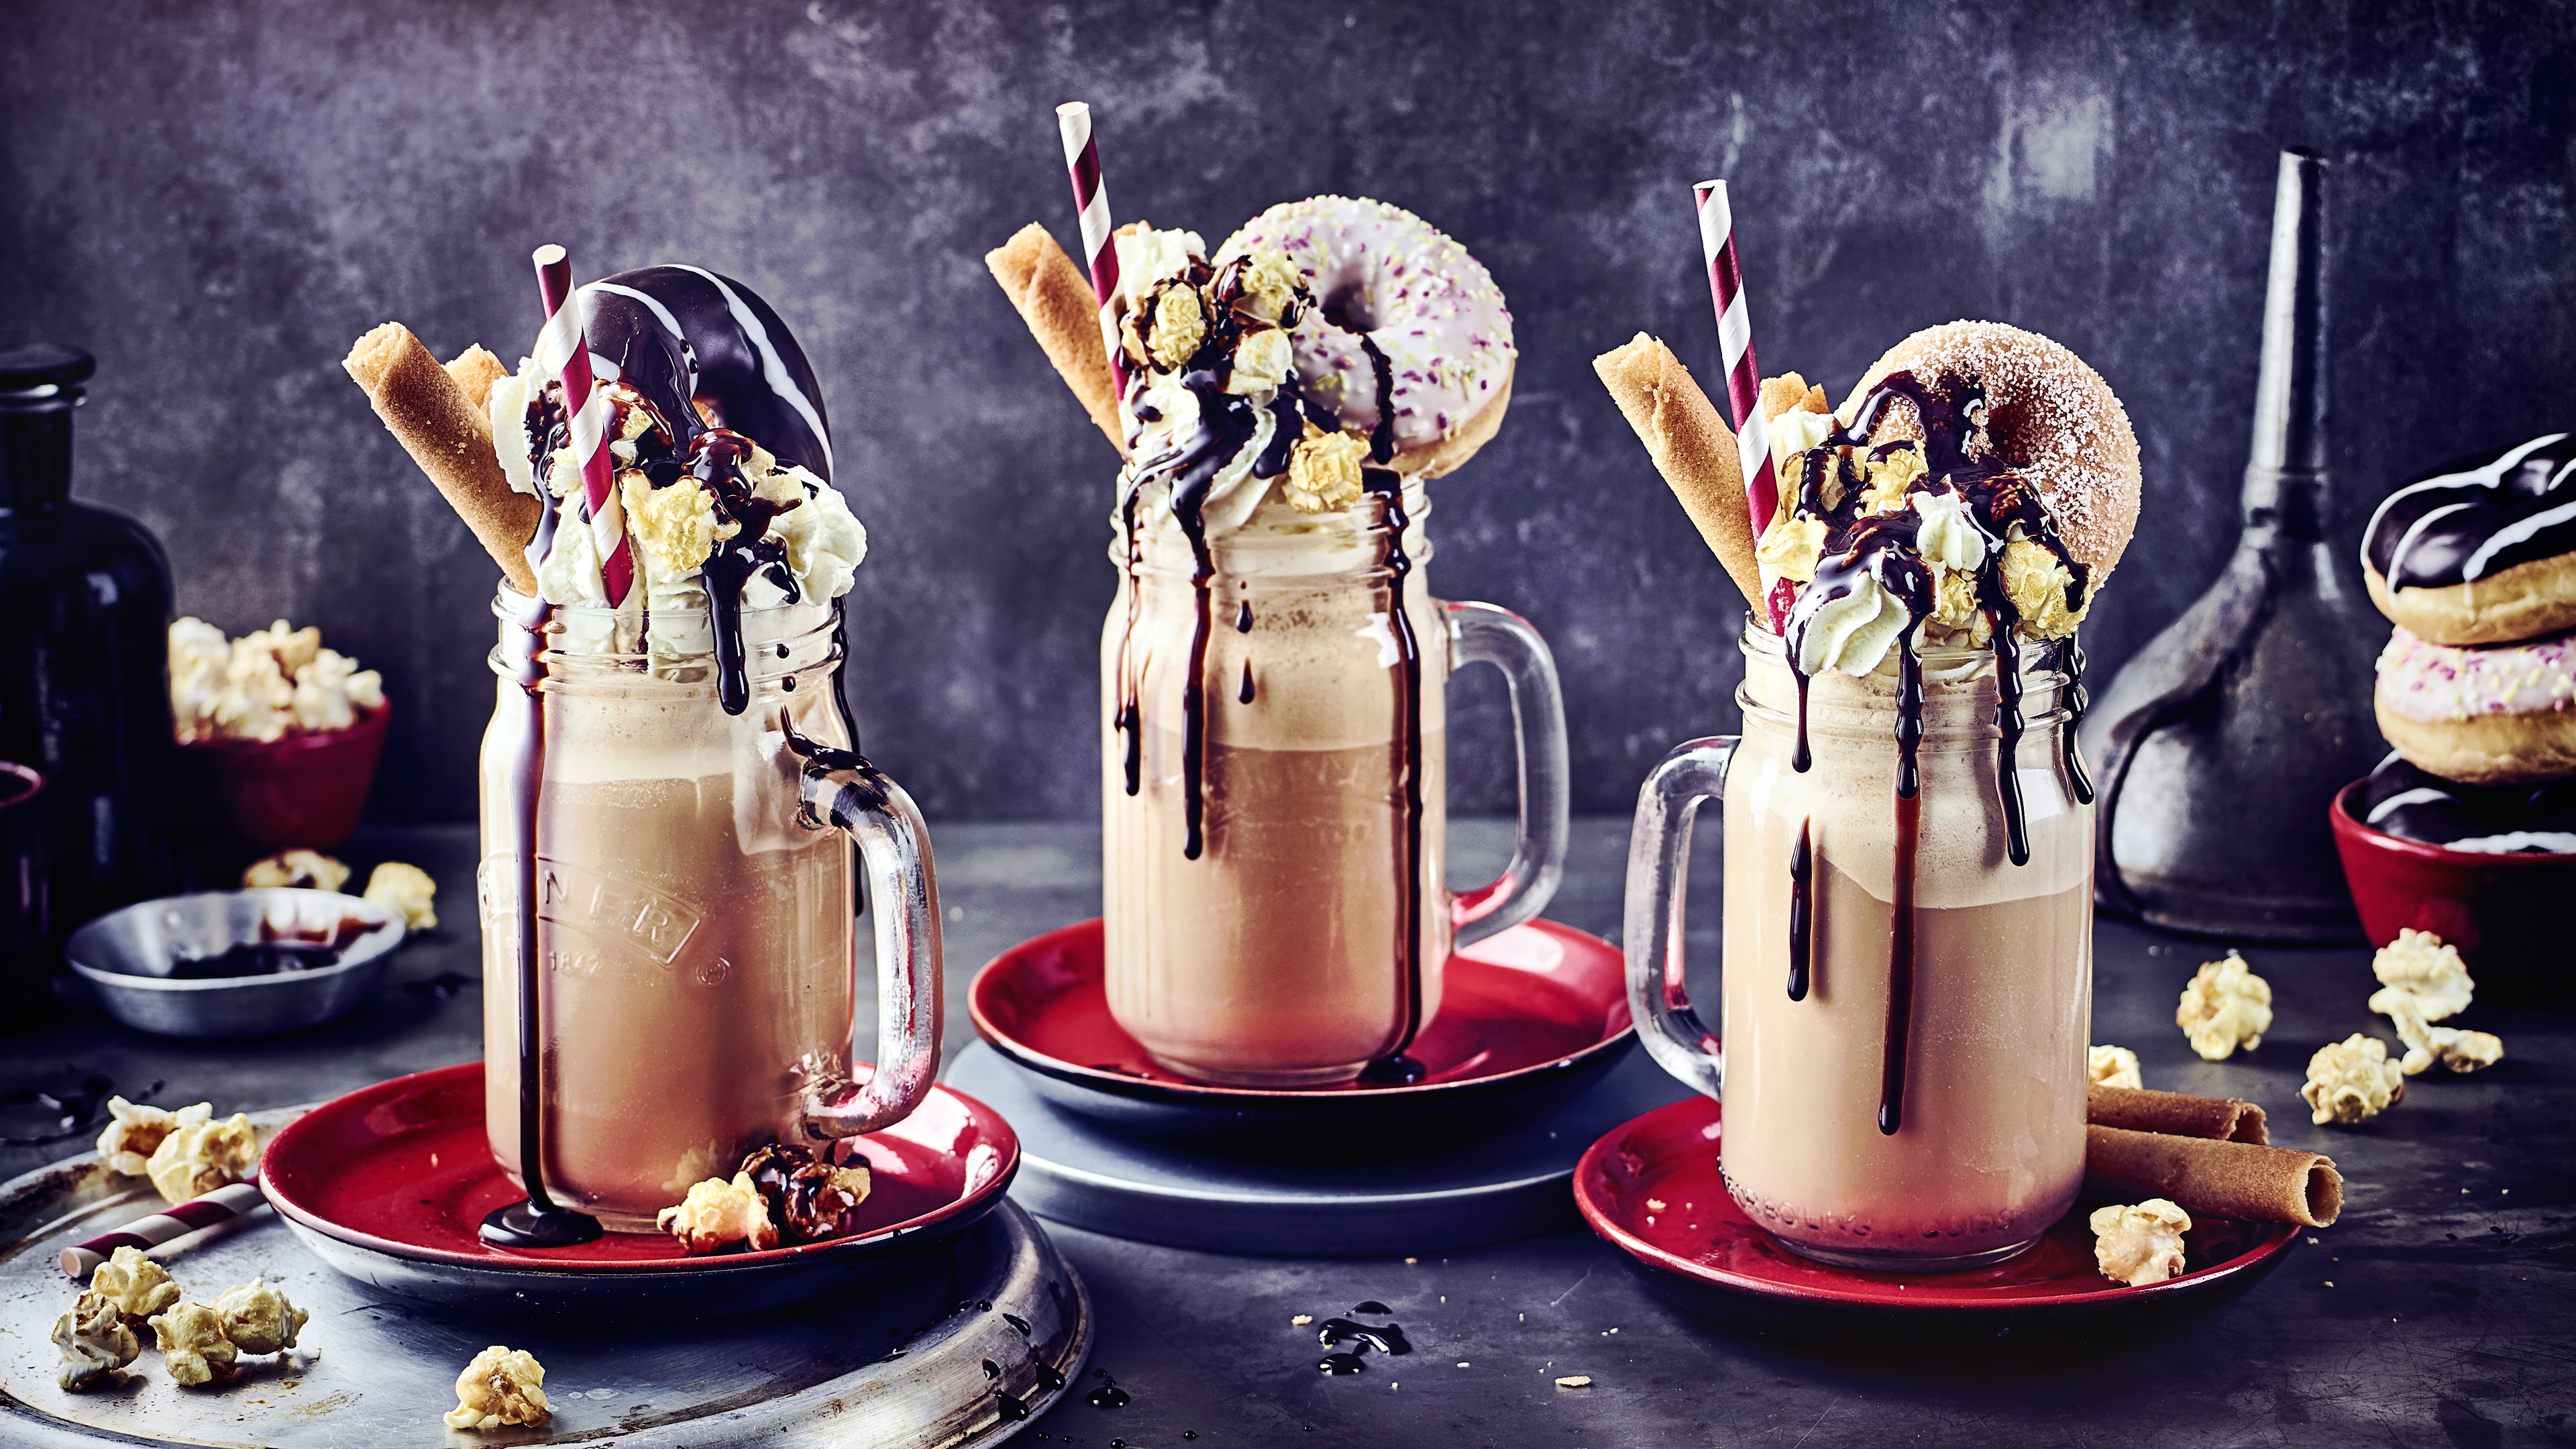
point(1883, 548)
point(1396, 1068)
point(1802, 869)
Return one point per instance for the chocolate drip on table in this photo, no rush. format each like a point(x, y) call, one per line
point(1881, 547)
point(537, 1221)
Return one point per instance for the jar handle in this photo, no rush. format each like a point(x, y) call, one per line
point(1658, 888)
point(840, 788)
point(1482, 633)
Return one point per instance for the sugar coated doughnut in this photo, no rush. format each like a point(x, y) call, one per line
point(2503, 715)
point(1407, 326)
point(2048, 414)
point(2480, 551)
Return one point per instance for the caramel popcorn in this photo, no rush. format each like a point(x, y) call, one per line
point(258, 1319)
point(2352, 1081)
point(126, 1146)
point(718, 1214)
point(677, 525)
point(135, 1284)
point(2142, 1244)
point(407, 891)
point(1791, 546)
point(808, 1200)
point(199, 1157)
point(1268, 285)
point(1179, 325)
point(95, 1342)
point(1324, 471)
point(2111, 1066)
point(2226, 1006)
point(1889, 478)
point(500, 1388)
point(309, 869)
point(2036, 583)
point(265, 685)
point(1261, 361)
point(192, 1343)
point(2456, 1049)
point(2418, 965)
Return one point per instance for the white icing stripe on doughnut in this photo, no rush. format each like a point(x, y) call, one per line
point(773, 368)
point(2400, 801)
point(2509, 535)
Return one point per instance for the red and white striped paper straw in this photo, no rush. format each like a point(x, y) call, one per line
point(563, 348)
point(144, 1234)
point(1091, 202)
point(1735, 341)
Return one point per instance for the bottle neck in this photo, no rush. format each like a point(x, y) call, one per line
point(2291, 504)
point(35, 455)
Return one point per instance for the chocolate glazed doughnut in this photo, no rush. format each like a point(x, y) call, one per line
point(2480, 551)
point(706, 352)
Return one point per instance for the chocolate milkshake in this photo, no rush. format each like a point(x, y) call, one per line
point(1909, 832)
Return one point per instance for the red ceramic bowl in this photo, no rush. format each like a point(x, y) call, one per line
point(2508, 914)
point(303, 790)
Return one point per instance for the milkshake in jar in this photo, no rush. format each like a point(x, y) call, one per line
point(1908, 827)
point(1273, 741)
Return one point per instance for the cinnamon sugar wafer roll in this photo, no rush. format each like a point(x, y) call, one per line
point(2177, 1114)
point(2223, 1179)
point(475, 370)
point(451, 440)
point(1692, 446)
point(1055, 299)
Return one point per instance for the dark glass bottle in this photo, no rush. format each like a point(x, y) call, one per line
point(2218, 747)
point(84, 651)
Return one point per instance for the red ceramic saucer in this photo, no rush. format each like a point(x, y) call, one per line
point(388, 1183)
point(1650, 1188)
point(1529, 1014)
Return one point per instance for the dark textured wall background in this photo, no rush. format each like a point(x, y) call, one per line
point(216, 196)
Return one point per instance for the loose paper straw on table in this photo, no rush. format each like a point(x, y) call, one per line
point(1091, 202)
point(566, 352)
point(1735, 341)
point(143, 1234)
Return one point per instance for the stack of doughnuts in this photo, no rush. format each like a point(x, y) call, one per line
point(2476, 565)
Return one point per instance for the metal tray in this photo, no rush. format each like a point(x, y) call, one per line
point(959, 1353)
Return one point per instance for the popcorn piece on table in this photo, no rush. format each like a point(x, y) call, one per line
point(134, 1284)
point(310, 869)
point(500, 1388)
point(129, 1140)
point(198, 1157)
point(1575, 1381)
point(258, 1319)
point(2424, 981)
point(192, 1343)
point(2112, 1066)
point(95, 1342)
point(2418, 965)
point(2226, 1006)
point(2142, 1244)
point(2352, 1081)
point(407, 891)
point(718, 1214)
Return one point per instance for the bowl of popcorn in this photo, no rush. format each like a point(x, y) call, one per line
point(285, 732)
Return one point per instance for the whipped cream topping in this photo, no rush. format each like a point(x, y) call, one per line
point(2432, 683)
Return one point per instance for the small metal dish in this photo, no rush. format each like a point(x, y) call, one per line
point(127, 957)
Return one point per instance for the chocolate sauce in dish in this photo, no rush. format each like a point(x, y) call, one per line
point(2477, 517)
point(1882, 548)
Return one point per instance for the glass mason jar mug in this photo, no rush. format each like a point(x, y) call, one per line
point(1906, 1009)
point(695, 965)
point(1273, 768)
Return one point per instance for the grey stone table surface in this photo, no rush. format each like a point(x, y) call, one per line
point(2440, 1310)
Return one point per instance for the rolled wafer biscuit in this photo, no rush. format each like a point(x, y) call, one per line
point(2177, 1114)
point(1790, 392)
point(475, 370)
point(2224, 1179)
point(1055, 299)
point(451, 440)
point(1692, 447)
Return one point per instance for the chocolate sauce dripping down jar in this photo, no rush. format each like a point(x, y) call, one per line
point(2219, 746)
